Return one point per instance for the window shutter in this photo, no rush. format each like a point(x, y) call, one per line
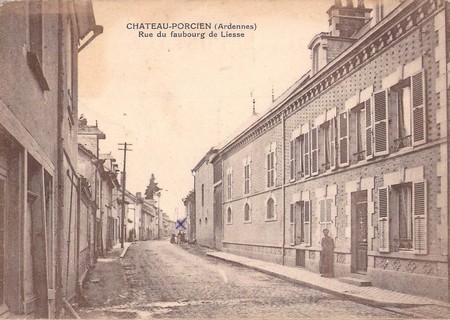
point(306, 163)
point(274, 166)
point(307, 222)
point(328, 213)
point(381, 131)
point(249, 174)
point(419, 118)
point(343, 140)
point(383, 219)
point(292, 159)
point(369, 135)
point(420, 217)
point(322, 211)
point(314, 151)
point(268, 169)
point(333, 163)
point(292, 222)
point(231, 182)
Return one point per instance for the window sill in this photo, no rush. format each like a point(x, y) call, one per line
point(247, 222)
point(408, 255)
point(270, 220)
point(36, 68)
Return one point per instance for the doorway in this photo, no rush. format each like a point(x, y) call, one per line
point(359, 232)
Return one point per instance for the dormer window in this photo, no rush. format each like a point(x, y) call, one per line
point(315, 59)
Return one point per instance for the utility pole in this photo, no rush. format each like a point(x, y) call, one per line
point(124, 175)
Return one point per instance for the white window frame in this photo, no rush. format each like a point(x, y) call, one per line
point(247, 175)
point(271, 162)
point(229, 183)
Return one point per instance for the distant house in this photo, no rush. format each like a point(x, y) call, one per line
point(89, 137)
point(168, 225)
point(189, 205)
point(148, 228)
point(204, 200)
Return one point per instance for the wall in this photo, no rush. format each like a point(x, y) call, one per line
point(204, 228)
point(414, 46)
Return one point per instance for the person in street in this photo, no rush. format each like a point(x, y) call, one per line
point(172, 239)
point(179, 237)
point(327, 255)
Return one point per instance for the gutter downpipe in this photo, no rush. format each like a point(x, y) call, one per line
point(60, 172)
point(283, 187)
point(77, 257)
point(194, 231)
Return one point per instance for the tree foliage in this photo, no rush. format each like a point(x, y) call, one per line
point(152, 188)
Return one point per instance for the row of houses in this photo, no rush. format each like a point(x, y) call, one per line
point(358, 146)
point(59, 197)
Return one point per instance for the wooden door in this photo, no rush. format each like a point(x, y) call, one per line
point(361, 237)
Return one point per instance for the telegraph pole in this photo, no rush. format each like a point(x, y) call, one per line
point(124, 175)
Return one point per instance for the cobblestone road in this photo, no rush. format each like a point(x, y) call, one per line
point(169, 281)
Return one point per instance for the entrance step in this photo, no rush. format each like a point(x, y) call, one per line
point(356, 281)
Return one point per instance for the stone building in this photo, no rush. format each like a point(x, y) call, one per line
point(358, 145)
point(148, 227)
point(89, 137)
point(38, 151)
point(204, 200)
point(189, 205)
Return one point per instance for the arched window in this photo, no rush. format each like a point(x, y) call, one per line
point(206, 220)
point(229, 216)
point(246, 212)
point(200, 221)
point(270, 209)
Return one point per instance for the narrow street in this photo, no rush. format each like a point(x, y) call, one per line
point(161, 280)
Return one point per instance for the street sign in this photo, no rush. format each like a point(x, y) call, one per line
point(181, 224)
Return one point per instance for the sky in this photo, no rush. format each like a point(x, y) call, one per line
point(175, 98)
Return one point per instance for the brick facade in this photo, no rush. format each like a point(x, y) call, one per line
point(366, 140)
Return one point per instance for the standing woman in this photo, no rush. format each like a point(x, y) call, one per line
point(327, 255)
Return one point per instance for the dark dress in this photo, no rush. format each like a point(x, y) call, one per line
point(327, 256)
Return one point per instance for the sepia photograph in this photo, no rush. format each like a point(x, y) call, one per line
point(224, 159)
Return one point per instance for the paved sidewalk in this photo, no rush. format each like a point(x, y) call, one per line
point(126, 245)
point(367, 295)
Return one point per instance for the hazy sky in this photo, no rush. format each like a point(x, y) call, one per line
point(175, 98)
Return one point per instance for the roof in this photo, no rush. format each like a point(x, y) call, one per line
point(91, 131)
point(308, 79)
point(84, 13)
point(85, 150)
point(205, 157)
point(247, 126)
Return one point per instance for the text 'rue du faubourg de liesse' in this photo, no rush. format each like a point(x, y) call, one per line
point(199, 30)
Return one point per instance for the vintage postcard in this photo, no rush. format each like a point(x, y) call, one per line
point(224, 159)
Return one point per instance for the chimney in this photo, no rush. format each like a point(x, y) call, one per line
point(82, 122)
point(346, 21)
